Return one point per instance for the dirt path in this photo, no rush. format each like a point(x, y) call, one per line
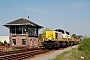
point(51, 55)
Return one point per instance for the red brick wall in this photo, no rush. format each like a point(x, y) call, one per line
point(28, 41)
point(19, 40)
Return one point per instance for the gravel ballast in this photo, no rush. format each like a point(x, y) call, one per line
point(50, 55)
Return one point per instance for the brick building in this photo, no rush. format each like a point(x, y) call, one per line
point(23, 33)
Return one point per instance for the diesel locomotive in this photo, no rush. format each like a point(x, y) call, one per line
point(59, 38)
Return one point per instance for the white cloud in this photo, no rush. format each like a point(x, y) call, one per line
point(33, 9)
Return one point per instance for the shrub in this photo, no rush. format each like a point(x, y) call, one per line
point(10, 49)
point(85, 46)
point(5, 43)
point(2, 44)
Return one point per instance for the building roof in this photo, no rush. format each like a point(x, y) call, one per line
point(22, 21)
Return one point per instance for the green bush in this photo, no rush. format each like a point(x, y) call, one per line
point(3, 44)
point(10, 49)
point(85, 46)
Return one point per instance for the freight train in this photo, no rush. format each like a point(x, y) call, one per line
point(59, 38)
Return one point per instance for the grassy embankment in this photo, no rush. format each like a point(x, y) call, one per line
point(76, 53)
point(9, 49)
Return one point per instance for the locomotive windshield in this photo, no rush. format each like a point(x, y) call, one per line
point(67, 33)
point(60, 30)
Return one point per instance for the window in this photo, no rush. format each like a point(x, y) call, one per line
point(24, 29)
point(13, 30)
point(35, 32)
point(32, 43)
point(59, 30)
point(18, 29)
point(67, 33)
point(23, 42)
point(14, 41)
point(32, 31)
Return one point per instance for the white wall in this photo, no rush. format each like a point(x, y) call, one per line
point(3, 38)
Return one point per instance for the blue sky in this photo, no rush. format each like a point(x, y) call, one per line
point(70, 15)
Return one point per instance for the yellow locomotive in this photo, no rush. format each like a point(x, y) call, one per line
point(58, 38)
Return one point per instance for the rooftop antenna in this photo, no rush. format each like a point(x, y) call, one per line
point(28, 17)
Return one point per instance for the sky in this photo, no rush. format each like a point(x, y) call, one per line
point(69, 15)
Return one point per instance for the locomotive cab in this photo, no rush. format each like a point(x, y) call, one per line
point(63, 32)
point(51, 40)
point(69, 35)
point(50, 35)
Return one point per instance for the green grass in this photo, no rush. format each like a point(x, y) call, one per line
point(9, 49)
point(60, 57)
point(76, 53)
point(73, 54)
point(85, 47)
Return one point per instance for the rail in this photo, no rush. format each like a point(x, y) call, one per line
point(21, 54)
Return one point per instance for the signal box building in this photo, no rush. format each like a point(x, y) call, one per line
point(23, 33)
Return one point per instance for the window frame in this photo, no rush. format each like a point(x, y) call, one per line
point(23, 41)
point(14, 44)
point(17, 30)
point(34, 32)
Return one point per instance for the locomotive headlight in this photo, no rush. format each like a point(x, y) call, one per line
point(46, 39)
point(52, 39)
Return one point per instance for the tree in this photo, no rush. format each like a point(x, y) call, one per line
point(45, 29)
point(73, 35)
point(5, 43)
point(80, 36)
point(43, 33)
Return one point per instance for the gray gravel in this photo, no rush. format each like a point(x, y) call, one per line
point(51, 55)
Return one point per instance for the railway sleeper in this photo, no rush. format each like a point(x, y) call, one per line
point(25, 56)
point(22, 56)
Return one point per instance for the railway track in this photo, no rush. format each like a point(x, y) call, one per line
point(24, 53)
point(21, 54)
